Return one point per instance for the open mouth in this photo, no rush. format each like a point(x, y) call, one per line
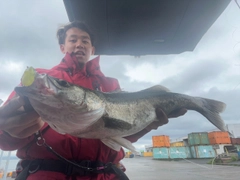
point(43, 85)
point(79, 53)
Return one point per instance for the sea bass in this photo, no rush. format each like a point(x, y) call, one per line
point(86, 113)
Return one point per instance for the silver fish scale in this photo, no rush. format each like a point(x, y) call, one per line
point(92, 114)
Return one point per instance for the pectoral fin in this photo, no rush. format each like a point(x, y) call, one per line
point(115, 143)
point(73, 122)
point(83, 120)
point(116, 123)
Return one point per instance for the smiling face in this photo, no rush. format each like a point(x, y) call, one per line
point(79, 43)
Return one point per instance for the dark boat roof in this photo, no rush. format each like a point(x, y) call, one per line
point(146, 27)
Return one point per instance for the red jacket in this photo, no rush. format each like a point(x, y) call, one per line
point(70, 147)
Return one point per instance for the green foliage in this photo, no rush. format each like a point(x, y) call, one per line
point(234, 158)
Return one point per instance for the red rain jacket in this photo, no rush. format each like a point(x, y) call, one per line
point(70, 147)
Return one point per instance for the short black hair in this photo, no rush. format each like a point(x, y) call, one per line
point(61, 33)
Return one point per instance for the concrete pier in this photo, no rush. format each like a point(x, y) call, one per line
point(143, 168)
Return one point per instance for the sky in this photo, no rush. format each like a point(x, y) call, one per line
point(212, 70)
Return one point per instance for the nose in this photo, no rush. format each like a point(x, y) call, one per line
point(79, 44)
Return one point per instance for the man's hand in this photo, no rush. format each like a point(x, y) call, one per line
point(16, 122)
point(163, 118)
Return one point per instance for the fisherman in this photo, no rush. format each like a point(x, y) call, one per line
point(50, 155)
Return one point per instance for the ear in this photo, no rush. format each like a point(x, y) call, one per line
point(62, 48)
point(93, 50)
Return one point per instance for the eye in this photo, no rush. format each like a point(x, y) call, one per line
point(73, 40)
point(63, 83)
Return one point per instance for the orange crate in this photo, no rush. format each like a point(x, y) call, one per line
point(161, 138)
point(219, 137)
point(160, 144)
point(161, 141)
point(147, 154)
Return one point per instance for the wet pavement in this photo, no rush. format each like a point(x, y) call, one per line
point(143, 168)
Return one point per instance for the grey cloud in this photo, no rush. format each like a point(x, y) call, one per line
point(116, 67)
point(158, 61)
point(113, 67)
point(28, 30)
point(9, 81)
point(196, 76)
point(231, 98)
point(133, 86)
point(28, 35)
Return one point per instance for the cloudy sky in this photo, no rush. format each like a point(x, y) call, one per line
point(212, 70)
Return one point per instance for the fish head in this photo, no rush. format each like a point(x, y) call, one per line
point(52, 92)
point(71, 95)
point(59, 103)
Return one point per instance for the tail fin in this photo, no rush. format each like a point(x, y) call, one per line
point(211, 110)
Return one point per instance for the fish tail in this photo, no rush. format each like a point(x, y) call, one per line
point(215, 106)
point(211, 109)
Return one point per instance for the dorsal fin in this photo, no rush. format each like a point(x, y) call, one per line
point(157, 88)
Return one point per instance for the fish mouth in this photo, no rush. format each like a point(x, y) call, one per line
point(40, 85)
point(43, 85)
point(43, 90)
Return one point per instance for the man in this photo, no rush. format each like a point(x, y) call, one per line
point(54, 158)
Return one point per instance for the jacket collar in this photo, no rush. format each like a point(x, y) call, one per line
point(92, 67)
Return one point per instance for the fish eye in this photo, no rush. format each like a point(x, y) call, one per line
point(63, 83)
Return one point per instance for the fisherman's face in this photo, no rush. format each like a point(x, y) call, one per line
point(79, 43)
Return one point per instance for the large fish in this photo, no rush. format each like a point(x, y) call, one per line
point(85, 113)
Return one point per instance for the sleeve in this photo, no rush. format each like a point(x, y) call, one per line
point(9, 143)
point(110, 84)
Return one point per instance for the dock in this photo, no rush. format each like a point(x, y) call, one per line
point(142, 168)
